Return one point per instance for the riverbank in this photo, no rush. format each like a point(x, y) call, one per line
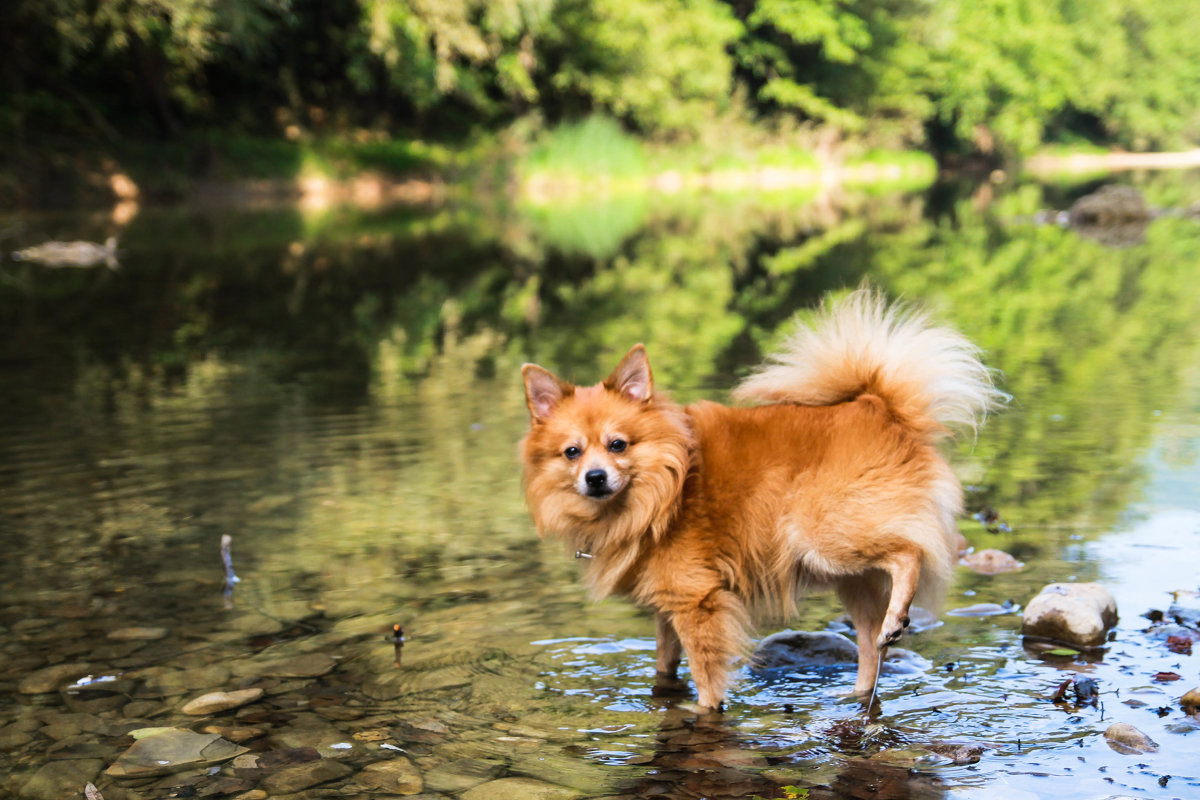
point(1074, 163)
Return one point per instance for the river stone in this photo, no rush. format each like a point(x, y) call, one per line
point(459, 775)
point(215, 702)
point(789, 650)
point(165, 682)
point(58, 779)
point(1124, 738)
point(1191, 701)
point(1078, 614)
point(981, 610)
point(50, 679)
point(12, 738)
point(302, 776)
point(990, 562)
point(235, 733)
point(138, 634)
point(394, 776)
point(310, 665)
point(171, 751)
point(519, 789)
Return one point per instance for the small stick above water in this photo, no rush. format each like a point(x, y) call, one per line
point(397, 639)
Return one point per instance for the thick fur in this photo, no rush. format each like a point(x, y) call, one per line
point(715, 516)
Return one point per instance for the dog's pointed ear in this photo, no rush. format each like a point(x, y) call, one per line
point(632, 377)
point(543, 392)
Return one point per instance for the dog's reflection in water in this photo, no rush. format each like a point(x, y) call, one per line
point(698, 755)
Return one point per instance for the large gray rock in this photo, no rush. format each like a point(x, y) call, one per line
point(1078, 614)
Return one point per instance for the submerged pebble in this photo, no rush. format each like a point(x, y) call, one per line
point(304, 776)
point(519, 789)
point(216, 702)
point(51, 679)
point(393, 776)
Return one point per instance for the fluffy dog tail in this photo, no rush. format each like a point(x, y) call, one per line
point(929, 376)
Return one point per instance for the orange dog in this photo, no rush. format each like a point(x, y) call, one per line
point(712, 516)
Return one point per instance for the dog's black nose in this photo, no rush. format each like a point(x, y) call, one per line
point(595, 478)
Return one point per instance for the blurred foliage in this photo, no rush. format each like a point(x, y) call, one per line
point(997, 77)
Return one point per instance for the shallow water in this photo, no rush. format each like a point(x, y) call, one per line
point(338, 392)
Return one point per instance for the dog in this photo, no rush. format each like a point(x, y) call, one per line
point(714, 517)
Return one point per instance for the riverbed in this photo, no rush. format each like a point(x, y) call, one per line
point(337, 391)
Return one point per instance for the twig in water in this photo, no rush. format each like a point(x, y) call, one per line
point(227, 563)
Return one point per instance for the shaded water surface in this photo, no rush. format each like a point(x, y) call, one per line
point(337, 391)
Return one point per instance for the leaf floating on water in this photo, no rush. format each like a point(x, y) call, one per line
point(1061, 651)
point(1061, 695)
point(1165, 677)
point(1179, 644)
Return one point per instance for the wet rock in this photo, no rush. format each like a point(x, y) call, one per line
point(1185, 609)
point(394, 776)
point(789, 650)
point(92, 695)
point(1124, 738)
point(959, 753)
point(1109, 205)
point(50, 679)
point(990, 562)
point(253, 794)
point(140, 709)
point(1191, 701)
point(165, 682)
point(172, 750)
point(983, 610)
point(1078, 614)
point(235, 734)
point(459, 775)
point(792, 649)
point(310, 665)
point(138, 634)
point(60, 731)
point(303, 776)
point(216, 702)
point(58, 779)
point(519, 789)
point(12, 738)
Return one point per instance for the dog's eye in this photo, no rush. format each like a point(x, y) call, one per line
point(617, 446)
point(572, 452)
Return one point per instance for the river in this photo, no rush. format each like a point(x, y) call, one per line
point(337, 390)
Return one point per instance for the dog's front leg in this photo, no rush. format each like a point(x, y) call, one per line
point(669, 647)
point(711, 631)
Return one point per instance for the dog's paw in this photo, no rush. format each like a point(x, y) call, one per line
point(892, 632)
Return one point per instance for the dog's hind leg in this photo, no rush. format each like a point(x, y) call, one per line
point(905, 569)
point(669, 647)
point(866, 599)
